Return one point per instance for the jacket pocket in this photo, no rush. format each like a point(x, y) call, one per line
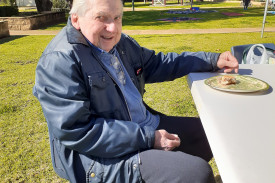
point(57, 164)
point(99, 80)
point(112, 170)
point(95, 173)
point(104, 96)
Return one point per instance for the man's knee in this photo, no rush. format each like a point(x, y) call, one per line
point(201, 171)
point(193, 169)
point(174, 167)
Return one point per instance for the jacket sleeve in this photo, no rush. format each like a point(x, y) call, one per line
point(60, 88)
point(166, 67)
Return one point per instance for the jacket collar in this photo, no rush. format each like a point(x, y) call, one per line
point(74, 36)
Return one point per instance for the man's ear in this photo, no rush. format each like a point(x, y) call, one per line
point(75, 21)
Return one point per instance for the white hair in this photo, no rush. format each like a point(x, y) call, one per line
point(80, 7)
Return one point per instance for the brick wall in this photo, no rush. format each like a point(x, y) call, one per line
point(4, 30)
point(34, 21)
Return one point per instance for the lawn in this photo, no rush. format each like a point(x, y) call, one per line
point(175, 4)
point(144, 20)
point(24, 145)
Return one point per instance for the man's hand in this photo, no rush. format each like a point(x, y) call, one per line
point(165, 140)
point(228, 62)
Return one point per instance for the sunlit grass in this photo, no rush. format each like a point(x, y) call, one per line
point(24, 145)
point(177, 4)
point(143, 20)
point(149, 20)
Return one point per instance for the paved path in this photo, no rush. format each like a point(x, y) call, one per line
point(168, 31)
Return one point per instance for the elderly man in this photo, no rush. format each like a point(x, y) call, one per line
point(90, 81)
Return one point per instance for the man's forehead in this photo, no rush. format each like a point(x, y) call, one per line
point(102, 7)
point(107, 13)
point(103, 12)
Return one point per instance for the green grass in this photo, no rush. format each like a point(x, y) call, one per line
point(24, 146)
point(143, 20)
point(146, 20)
point(175, 4)
point(24, 149)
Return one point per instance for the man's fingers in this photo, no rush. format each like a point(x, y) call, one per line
point(172, 144)
point(229, 66)
point(228, 69)
point(175, 143)
point(171, 136)
point(165, 140)
point(228, 62)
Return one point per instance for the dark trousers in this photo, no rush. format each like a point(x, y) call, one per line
point(246, 3)
point(186, 164)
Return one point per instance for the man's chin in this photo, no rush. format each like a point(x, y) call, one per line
point(107, 48)
point(107, 45)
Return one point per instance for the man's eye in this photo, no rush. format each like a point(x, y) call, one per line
point(100, 18)
point(118, 18)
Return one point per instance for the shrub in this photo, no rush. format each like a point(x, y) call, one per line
point(8, 2)
point(60, 4)
point(8, 11)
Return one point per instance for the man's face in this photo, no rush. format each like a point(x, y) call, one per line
point(102, 24)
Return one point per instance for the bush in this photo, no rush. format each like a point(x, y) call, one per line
point(136, 0)
point(8, 2)
point(61, 4)
point(8, 11)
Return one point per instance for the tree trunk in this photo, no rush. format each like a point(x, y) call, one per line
point(43, 5)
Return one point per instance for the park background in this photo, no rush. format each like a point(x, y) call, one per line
point(24, 141)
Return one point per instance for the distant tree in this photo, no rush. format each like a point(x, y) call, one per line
point(43, 5)
point(10, 2)
point(70, 3)
point(62, 4)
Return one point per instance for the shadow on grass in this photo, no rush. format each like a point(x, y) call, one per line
point(8, 109)
point(57, 26)
point(54, 27)
point(218, 179)
point(8, 39)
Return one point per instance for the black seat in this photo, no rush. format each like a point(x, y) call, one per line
point(237, 51)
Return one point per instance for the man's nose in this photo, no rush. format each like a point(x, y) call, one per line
point(111, 26)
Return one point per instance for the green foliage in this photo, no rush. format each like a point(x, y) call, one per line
point(7, 11)
point(62, 4)
point(8, 2)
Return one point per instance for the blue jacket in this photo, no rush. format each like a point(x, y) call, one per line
point(92, 137)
